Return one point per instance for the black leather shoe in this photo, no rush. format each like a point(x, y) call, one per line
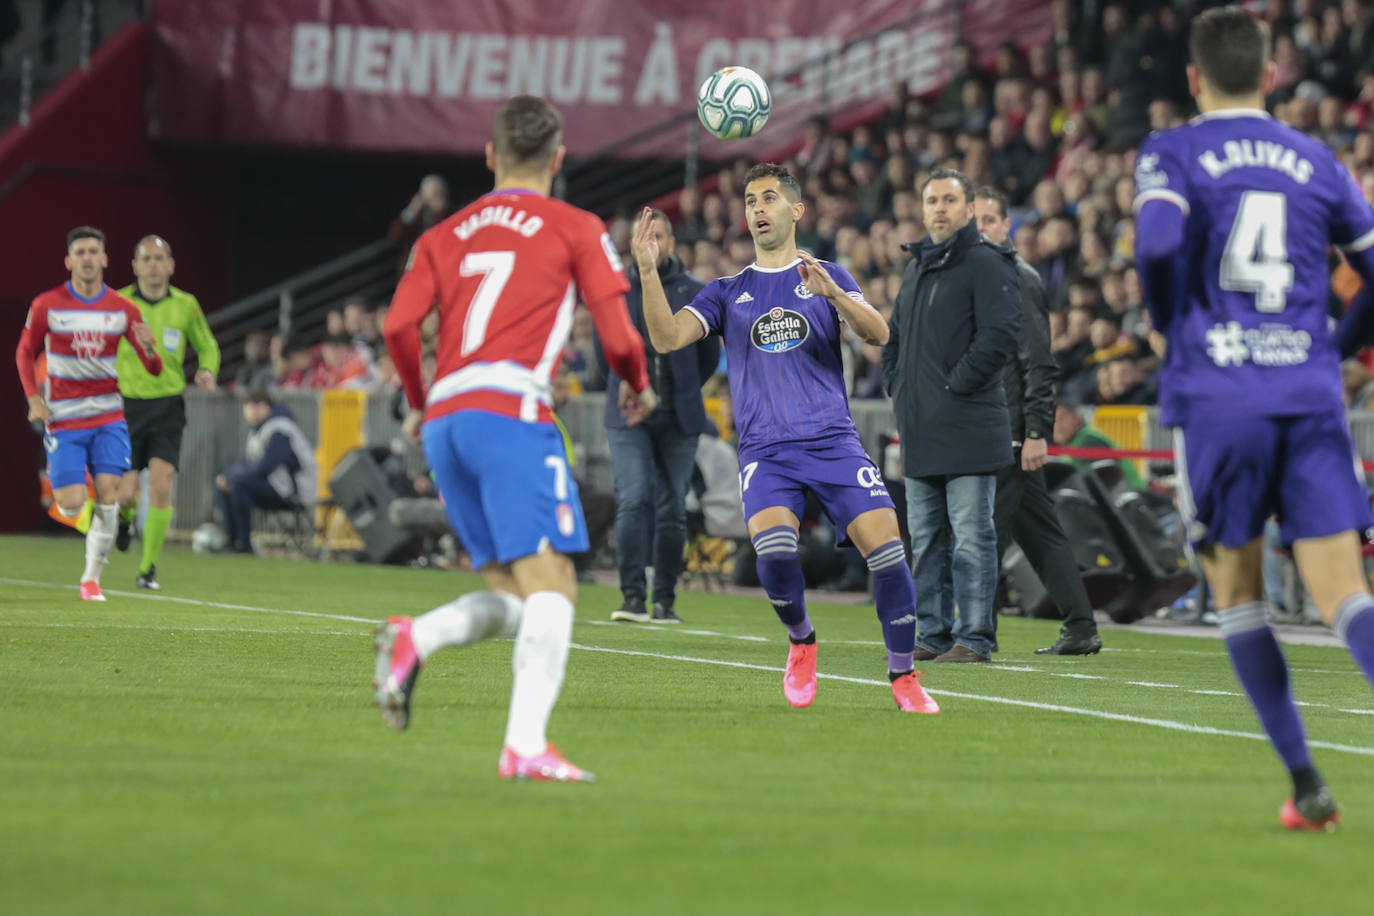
point(1074, 644)
point(663, 613)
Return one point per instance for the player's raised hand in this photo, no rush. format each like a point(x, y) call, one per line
point(816, 277)
point(644, 243)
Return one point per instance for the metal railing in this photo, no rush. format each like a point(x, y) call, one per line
point(602, 181)
point(30, 69)
point(301, 303)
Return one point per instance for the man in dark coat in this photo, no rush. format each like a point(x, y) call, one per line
point(1024, 507)
point(653, 460)
point(956, 322)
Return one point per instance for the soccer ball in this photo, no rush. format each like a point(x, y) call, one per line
point(208, 538)
point(734, 103)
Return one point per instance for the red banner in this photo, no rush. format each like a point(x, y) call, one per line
point(419, 75)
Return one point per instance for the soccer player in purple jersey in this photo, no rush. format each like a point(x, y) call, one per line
point(780, 319)
point(1235, 214)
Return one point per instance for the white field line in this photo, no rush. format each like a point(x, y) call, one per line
point(1101, 714)
point(148, 596)
point(1007, 701)
point(1002, 666)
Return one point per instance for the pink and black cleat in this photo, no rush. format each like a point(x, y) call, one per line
point(90, 591)
point(1317, 811)
point(398, 667)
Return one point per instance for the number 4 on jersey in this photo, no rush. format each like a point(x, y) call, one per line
point(1256, 255)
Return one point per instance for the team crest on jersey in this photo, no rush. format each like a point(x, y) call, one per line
point(780, 330)
point(567, 521)
point(802, 292)
point(88, 344)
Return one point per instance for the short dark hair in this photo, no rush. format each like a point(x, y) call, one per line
point(663, 218)
point(791, 188)
point(988, 192)
point(526, 132)
point(85, 232)
point(258, 396)
point(942, 174)
point(1230, 47)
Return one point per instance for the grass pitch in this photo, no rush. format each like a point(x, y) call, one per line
point(213, 750)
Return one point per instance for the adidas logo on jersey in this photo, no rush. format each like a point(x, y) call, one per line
point(744, 297)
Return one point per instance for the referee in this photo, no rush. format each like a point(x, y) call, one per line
point(153, 405)
point(1024, 507)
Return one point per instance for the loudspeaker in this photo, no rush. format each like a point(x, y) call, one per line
point(361, 490)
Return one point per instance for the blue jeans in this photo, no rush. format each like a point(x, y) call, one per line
point(954, 561)
point(246, 492)
point(652, 463)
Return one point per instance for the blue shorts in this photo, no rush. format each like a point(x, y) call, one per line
point(1236, 473)
point(505, 485)
point(841, 474)
point(103, 449)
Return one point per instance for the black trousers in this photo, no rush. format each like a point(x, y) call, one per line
point(1024, 512)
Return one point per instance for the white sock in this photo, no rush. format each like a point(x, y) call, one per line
point(541, 654)
point(472, 618)
point(104, 520)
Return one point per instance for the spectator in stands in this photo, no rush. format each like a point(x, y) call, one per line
point(277, 471)
point(333, 323)
point(1070, 429)
point(428, 206)
point(298, 368)
point(256, 370)
point(946, 383)
point(579, 354)
point(653, 459)
point(341, 366)
point(360, 327)
point(691, 225)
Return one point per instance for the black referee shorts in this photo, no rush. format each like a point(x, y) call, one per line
point(155, 427)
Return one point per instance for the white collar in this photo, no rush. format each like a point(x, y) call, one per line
point(1233, 113)
point(776, 270)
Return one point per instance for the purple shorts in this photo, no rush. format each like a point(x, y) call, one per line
point(841, 474)
point(1237, 472)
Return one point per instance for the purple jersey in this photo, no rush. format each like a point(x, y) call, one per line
point(1247, 323)
point(782, 346)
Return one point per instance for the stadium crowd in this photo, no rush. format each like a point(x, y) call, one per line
point(1054, 125)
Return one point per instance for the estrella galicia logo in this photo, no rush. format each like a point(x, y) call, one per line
point(780, 330)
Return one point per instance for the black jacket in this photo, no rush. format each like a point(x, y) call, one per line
point(689, 367)
point(955, 324)
point(1031, 372)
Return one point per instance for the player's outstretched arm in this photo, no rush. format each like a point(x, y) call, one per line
point(667, 332)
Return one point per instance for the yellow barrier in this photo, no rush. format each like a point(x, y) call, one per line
point(1125, 425)
point(718, 409)
point(342, 414)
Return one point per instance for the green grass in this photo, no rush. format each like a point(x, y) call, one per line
point(164, 756)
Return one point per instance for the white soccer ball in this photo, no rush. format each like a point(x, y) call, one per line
point(734, 103)
point(208, 538)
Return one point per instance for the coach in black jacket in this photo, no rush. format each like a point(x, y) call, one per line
point(954, 326)
point(653, 460)
point(1024, 508)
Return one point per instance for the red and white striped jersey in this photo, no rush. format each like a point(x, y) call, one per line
point(506, 272)
point(82, 338)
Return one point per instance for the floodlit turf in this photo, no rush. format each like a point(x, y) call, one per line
point(167, 755)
